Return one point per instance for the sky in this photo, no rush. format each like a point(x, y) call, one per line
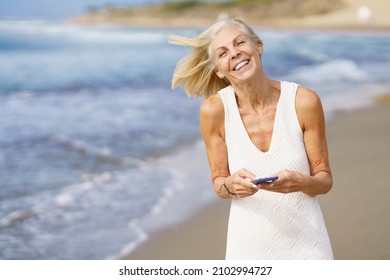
point(55, 9)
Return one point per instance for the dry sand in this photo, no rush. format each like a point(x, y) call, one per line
point(355, 210)
point(346, 17)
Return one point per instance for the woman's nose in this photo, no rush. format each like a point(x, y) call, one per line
point(235, 52)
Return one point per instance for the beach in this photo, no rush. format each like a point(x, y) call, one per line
point(354, 210)
point(94, 140)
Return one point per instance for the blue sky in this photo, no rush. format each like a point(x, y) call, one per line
point(54, 9)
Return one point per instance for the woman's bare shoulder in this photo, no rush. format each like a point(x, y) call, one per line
point(309, 108)
point(307, 99)
point(212, 116)
point(212, 107)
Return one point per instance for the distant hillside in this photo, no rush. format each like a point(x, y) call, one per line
point(195, 12)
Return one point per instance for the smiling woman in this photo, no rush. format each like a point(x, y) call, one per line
point(231, 43)
point(253, 127)
point(196, 73)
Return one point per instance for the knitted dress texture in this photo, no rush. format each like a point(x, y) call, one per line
point(270, 225)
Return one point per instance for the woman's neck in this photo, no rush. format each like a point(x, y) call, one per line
point(258, 93)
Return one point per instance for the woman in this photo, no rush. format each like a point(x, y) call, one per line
point(255, 127)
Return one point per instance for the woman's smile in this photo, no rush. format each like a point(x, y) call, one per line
point(241, 65)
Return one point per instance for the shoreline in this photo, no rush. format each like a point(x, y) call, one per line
point(190, 239)
point(352, 211)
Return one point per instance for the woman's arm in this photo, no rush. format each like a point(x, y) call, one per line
point(312, 119)
point(212, 117)
point(312, 122)
point(211, 125)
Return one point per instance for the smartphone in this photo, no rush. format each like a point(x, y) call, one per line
point(264, 180)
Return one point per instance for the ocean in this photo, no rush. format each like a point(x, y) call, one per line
point(91, 132)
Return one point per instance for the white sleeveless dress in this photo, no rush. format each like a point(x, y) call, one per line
point(271, 225)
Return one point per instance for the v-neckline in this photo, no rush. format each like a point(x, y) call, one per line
point(274, 127)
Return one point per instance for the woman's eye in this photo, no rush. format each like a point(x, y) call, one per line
point(240, 43)
point(221, 54)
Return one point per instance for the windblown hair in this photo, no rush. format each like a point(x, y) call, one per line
point(195, 73)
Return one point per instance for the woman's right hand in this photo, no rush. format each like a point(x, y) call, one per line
point(240, 184)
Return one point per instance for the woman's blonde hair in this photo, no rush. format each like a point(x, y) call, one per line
point(195, 73)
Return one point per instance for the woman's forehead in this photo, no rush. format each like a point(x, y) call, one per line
point(225, 36)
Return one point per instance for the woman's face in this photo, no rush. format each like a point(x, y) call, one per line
point(236, 56)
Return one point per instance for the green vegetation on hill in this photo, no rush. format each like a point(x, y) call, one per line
point(177, 6)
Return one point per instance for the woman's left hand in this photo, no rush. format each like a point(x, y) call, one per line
point(288, 181)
